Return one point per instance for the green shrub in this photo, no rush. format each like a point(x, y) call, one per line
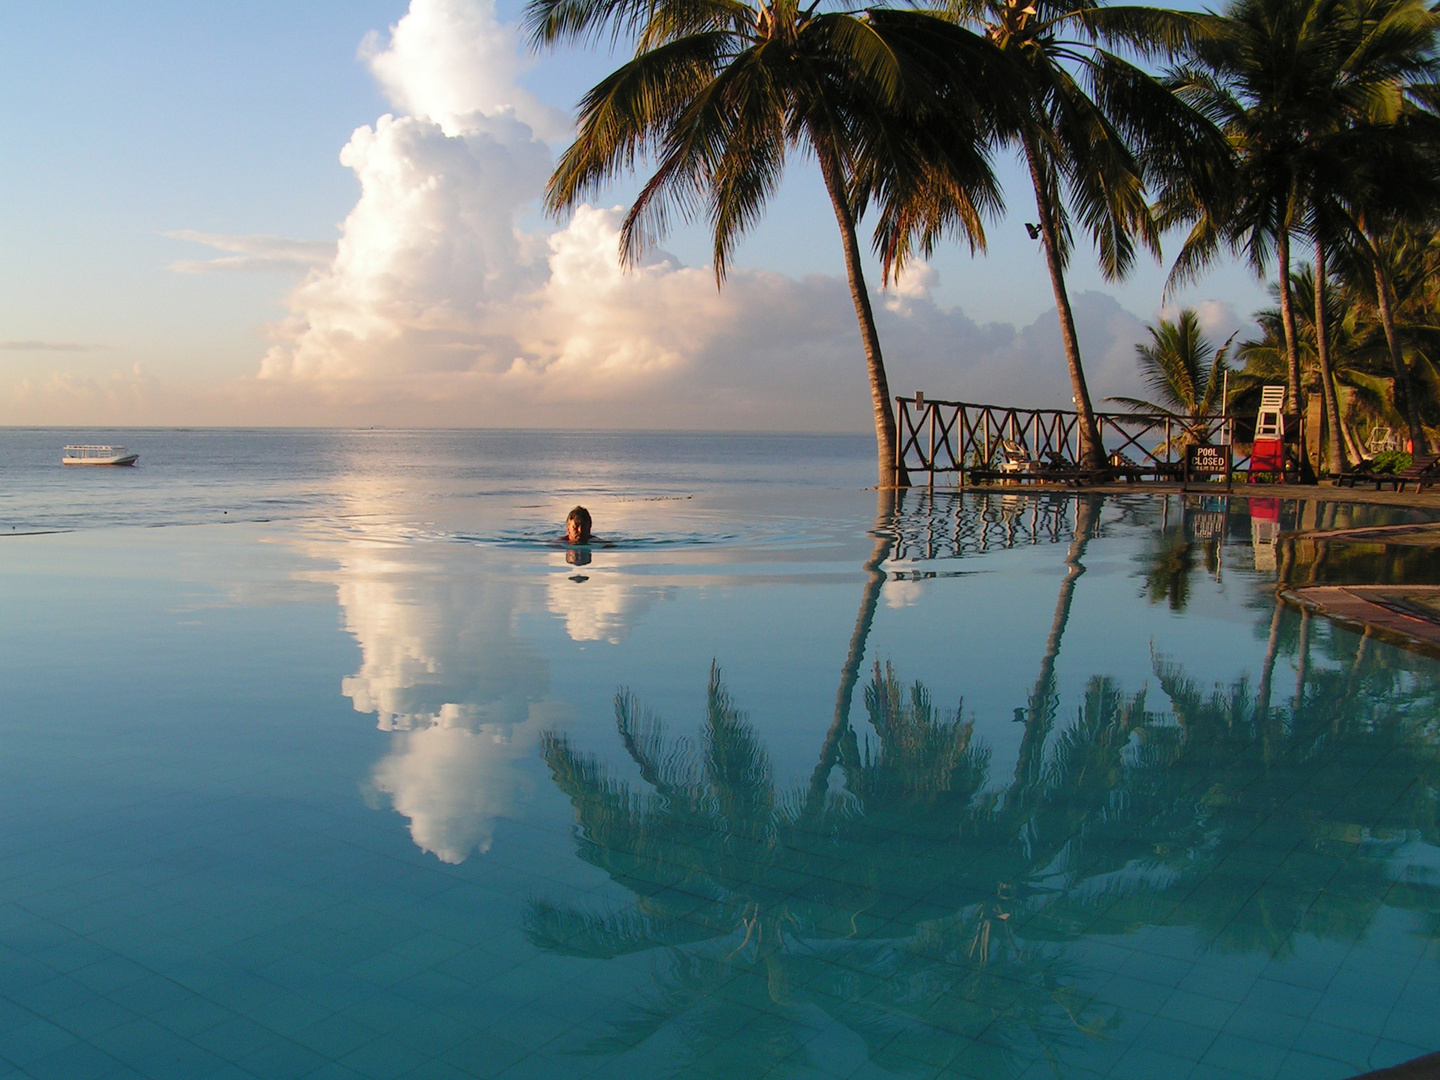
point(1390, 461)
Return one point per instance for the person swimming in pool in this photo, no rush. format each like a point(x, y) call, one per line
point(577, 526)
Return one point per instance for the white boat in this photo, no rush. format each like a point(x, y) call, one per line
point(98, 455)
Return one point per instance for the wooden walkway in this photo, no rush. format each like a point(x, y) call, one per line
point(1409, 615)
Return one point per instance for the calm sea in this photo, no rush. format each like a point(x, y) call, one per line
point(201, 476)
point(320, 757)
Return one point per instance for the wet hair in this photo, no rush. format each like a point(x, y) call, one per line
point(581, 515)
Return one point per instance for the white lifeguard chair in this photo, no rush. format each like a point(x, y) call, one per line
point(1271, 421)
point(1268, 452)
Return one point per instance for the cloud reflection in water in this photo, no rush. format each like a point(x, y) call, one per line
point(445, 669)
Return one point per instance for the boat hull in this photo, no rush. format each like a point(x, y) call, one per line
point(126, 459)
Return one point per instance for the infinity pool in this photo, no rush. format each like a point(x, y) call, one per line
point(796, 783)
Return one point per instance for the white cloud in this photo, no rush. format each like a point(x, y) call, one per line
point(447, 60)
point(428, 261)
point(454, 783)
point(1218, 319)
point(48, 346)
point(131, 393)
point(901, 593)
point(253, 253)
point(439, 306)
point(914, 282)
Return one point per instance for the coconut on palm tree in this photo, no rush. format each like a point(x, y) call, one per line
point(721, 93)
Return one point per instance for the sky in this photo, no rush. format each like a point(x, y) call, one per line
point(327, 214)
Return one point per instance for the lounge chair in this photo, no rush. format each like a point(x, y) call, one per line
point(1126, 469)
point(1422, 472)
point(1363, 473)
point(1014, 458)
point(1015, 464)
point(1058, 467)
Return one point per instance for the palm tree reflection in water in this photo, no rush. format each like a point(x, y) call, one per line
point(887, 907)
point(925, 914)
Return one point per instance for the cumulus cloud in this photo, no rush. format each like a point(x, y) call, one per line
point(439, 307)
point(1218, 319)
point(447, 60)
point(266, 254)
point(429, 261)
point(131, 393)
point(442, 302)
point(453, 783)
point(914, 282)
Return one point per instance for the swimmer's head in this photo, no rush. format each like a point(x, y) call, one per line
point(577, 526)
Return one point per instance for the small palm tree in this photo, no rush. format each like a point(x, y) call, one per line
point(721, 92)
point(1184, 371)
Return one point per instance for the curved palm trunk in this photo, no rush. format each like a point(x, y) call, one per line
point(1302, 659)
point(1402, 371)
point(1334, 452)
point(1092, 451)
point(1292, 344)
point(1352, 443)
point(1038, 717)
point(887, 504)
point(892, 473)
point(1267, 669)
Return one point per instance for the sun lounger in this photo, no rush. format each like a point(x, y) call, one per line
point(1362, 474)
point(1123, 468)
point(1422, 472)
point(1017, 466)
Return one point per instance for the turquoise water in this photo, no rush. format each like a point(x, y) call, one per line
point(321, 760)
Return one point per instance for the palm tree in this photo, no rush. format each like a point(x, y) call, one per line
point(1184, 371)
point(1255, 76)
point(1090, 126)
point(719, 92)
point(1386, 271)
point(1378, 158)
point(1297, 86)
point(1359, 360)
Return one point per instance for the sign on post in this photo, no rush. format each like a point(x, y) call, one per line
point(1205, 460)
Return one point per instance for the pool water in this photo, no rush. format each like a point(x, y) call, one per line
point(784, 779)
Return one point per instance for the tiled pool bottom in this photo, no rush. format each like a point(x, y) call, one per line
point(290, 942)
point(1128, 868)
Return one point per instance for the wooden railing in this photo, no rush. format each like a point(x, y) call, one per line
point(958, 436)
